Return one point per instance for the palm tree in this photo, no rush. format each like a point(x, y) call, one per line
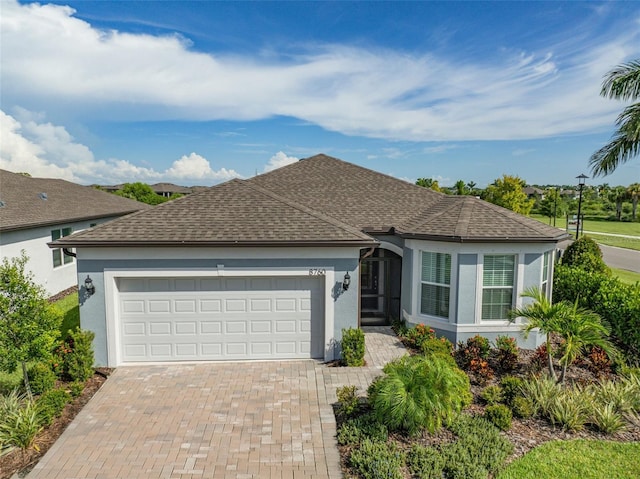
point(541, 314)
point(633, 191)
point(618, 195)
point(460, 188)
point(622, 83)
point(578, 327)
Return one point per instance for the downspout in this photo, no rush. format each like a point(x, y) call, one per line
point(68, 253)
point(366, 255)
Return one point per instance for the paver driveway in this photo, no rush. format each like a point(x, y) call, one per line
point(257, 419)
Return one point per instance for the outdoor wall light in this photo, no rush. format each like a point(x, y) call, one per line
point(88, 286)
point(346, 282)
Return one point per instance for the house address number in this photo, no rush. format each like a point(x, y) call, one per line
point(317, 272)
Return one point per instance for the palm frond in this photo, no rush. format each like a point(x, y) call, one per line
point(623, 82)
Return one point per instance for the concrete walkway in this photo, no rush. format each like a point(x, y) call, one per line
point(214, 420)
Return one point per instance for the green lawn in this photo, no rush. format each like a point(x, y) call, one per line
point(70, 320)
point(579, 459)
point(617, 227)
point(628, 243)
point(626, 276)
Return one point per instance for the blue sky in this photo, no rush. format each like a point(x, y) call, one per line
point(201, 92)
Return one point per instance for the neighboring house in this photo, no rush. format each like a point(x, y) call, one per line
point(533, 193)
point(35, 211)
point(163, 189)
point(274, 267)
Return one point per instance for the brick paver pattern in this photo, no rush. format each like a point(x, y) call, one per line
point(214, 420)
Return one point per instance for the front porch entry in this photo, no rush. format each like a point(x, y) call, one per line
point(380, 283)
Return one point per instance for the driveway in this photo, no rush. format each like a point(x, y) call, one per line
point(240, 420)
point(214, 420)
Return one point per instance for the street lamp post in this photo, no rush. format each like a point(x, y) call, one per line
point(581, 179)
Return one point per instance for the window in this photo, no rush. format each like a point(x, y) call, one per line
point(497, 286)
point(436, 278)
point(544, 284)
point(59, 257)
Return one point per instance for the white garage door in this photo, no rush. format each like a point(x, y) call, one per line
point(185, 319)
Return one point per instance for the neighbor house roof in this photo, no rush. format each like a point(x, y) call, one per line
point(28, 202)
point(319, 200)
point(234, 213)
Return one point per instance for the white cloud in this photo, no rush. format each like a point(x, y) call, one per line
point(279, 160)
point(374, 93)
point(522, 151)
point(46, 150)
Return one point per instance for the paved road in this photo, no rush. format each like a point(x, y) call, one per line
point(621, 258)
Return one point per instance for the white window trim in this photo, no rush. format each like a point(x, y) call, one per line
point(114, 352)
point(417, 286)
point(63, 263)
point(518, 278)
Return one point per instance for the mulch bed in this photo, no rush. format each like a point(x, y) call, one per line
point(21, 462)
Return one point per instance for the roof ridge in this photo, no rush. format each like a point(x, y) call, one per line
point(426, 212)
point(328, 219)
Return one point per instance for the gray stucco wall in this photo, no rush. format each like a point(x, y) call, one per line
point(93, 310)
point(532, 271)
point(467, 288)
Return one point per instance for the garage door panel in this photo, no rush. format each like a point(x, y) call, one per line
point(173, 319)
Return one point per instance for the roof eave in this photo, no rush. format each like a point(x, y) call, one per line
point(40, 224)
point(142, 244)
point(472, 239)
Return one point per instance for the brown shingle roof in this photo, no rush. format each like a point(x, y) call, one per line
point(319, 200)
point(233, 213)
point(25, 206)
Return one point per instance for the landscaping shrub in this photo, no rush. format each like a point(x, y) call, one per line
point(51, 404)
point(570, 410)
point(419, 392)
point(41, 378)
point(605, 418)
point(585, 253)
point(377, 460)
point(353, 347)
point(355, 430)
point(614, 301)
point(417, 336)
point(542, 391)
point(480, 370)
point(499, 415)
point(598, 362)
point(80, 360)
point(522, 407)
point(512, 387)
point(491, 395)
point(347, 400)
point(539, 359)
point(426, 462)
point(472, 357)
point(20, 427)
point(76, 388)
point(480, 449)
point(441, 346)
point(507, 353)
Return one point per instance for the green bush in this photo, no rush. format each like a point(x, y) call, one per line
point(51, 404)
point(512, 387)
point(419, 392)
point(353, 347)
point(491, 394)
point(479, 449)
point(415, 337)
point(20, 427)
point(426, 462)
point(570, 410)
point(76, 388)
point(585, 253)
point(41, 378)
point(523, 407)
point(507, 353)
point(378, 460)
point(355, 430)
point(80, 360)
point(499, 415)
point(605, 418)
point(616, 302)
point(542, 392)
point(347, 400)
point(441, 346)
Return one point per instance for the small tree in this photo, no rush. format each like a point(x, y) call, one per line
point(508, 192)
point(429, 183)
point(29, 325)
point(141, 192)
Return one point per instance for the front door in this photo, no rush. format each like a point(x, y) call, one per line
point(380, 288)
